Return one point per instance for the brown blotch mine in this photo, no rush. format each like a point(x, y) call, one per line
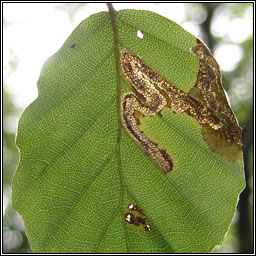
point(221, 132)
point(136, 217)
point(206, 102)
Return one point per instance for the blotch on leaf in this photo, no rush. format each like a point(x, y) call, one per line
point(136, 217)
point(206, 102)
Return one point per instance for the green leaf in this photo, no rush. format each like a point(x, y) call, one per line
point(79, 169)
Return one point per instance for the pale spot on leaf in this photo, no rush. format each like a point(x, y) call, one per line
point(140, 34)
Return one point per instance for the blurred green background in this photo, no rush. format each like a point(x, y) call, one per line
point(225, 27)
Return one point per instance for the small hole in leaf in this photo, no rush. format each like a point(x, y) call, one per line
point(140, 34)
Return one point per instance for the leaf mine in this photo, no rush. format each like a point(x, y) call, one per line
point(136, 217)
point(206, 102)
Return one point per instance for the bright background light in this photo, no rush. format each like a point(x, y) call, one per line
point(228, 55)
point(35, 31)
point(32, 32)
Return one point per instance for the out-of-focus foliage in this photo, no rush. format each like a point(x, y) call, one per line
point(239, 84)
point(14, 238)
point(10, 151)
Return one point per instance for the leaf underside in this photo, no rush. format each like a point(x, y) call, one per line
point(79, 169)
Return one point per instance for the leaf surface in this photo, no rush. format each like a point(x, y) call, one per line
point(79, 169)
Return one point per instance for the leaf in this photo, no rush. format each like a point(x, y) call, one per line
point(79, 169)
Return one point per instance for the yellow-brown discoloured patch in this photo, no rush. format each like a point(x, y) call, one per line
point(206, 102)
point(225, 136)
